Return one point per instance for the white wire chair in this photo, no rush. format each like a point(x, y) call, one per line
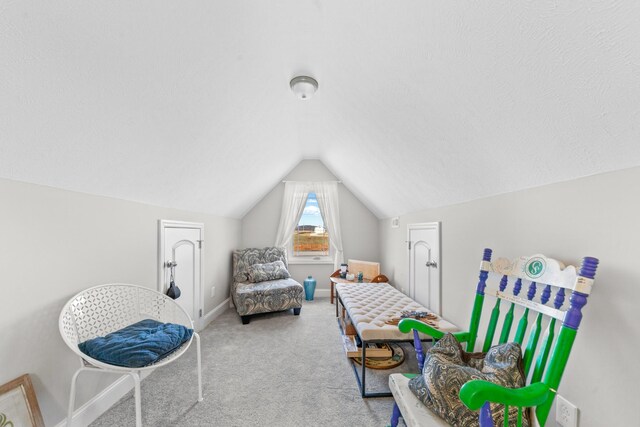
point(103, 309)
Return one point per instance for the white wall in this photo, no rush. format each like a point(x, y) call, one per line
point(594, 216)
point(359, 226)
point(54, 243)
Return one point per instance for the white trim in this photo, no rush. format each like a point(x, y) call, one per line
point(322, 292)
point(339, 182)
point(99, 404)
point(410, 291)
point(541, 308)
point(310, 260)
point(583, 285)
point(213, 314)
point(165, 223)
point(181, 224)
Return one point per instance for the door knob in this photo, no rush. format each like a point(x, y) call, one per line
point(432, 264)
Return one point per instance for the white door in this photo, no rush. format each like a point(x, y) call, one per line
point(424, 264)
point(180, 246)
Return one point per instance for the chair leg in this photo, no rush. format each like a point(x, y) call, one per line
point(245, 319)
point(395, 416)
point(72, 396)
point(136, 393)
point(296, 311)
point(199, 367)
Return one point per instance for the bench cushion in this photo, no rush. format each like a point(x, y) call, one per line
point(370, 305)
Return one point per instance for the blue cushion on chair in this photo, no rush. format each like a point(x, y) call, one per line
point(137, 345)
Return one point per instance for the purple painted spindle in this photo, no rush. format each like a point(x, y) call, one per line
point(395, 416)
point(482, 283)
point(559, 299)
point(503, 283)
point(532, 291)
point(578, 300)
point(589, 267)
point(485, 415)
point(546, 294)
point(417, 344)
point(517, 287)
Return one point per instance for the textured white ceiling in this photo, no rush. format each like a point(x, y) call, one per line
point(421, 103)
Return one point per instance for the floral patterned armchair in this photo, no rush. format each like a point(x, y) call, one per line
point(262, 283)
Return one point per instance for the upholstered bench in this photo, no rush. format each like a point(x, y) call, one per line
point(370, 306)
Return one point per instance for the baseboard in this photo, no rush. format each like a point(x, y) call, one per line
point(322, 292)
point(210, 316)
point(98, 405)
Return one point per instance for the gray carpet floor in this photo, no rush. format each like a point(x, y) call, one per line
point(280, 370)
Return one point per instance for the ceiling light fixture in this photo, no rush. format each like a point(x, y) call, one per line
point(303, 86)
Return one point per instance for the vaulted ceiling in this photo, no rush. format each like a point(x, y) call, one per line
point(421, 103)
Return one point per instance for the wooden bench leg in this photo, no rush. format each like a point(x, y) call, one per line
point(332, 285)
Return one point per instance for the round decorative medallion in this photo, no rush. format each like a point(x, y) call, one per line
point(535, 267)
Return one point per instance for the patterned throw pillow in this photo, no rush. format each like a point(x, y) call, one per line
point(276, 253)
point(243, 259)
point(447, 367)
point(269, 271)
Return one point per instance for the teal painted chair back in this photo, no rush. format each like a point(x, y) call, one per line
point(553, 291)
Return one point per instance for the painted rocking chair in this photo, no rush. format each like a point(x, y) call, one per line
point(543, 274)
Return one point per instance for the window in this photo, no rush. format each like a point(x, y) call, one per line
point(310, 237)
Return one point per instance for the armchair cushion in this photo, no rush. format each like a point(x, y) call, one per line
point(447, 368)
point(137, 345)
point(268, 271)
